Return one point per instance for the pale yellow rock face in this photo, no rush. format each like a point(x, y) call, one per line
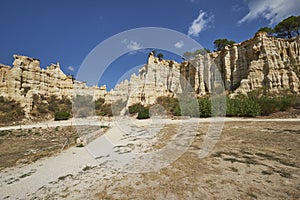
point(260, 62)
point(266, 62)
point(26, 78)
point(156, 78)
point(4, 72)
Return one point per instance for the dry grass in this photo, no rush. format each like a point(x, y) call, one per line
point(248, 162)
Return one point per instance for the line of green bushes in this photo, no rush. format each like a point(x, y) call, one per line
point(255, 104)
point(240, 106)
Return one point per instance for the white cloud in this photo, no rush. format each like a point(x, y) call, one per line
point(179, 44)
point(132, 45)
point(71, 68)
point(272, 10)
point(199, 24)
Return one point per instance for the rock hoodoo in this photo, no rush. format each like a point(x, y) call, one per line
point(260, 62)
point(26, 78)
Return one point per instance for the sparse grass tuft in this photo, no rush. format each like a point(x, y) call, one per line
point(267, 156)
point(232, 160)
point(288, 164)
point(234, 169)
point(266, 172)
point(37, 133)
point(271, 157)
point(247, 160)
point(284, 174)
point(61, 178)
point(86, 168)
point(217, 154)
point(80, 145)
point(252, 195)
point(3, 133)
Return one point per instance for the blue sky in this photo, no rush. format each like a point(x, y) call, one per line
point(66, 31)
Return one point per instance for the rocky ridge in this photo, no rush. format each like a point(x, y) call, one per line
point(262, 62)
point(26, 78)
point(272, 64)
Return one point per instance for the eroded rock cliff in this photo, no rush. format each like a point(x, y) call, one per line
point(265, 62)
point(272, 64)
point(261, 62)
point(156, 78)
point(26, 78)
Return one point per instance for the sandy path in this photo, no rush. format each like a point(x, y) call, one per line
point(24, 182)
point(70, 122)
point(16, 183)
point(95, 121)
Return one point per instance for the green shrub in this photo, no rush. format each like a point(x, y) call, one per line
point(268, 105)
point(242, 107)
point(255, 104)
point(176, 111)
point(61, 115)
point(135, 108)
point(204, 107)
point(271, 104)
point(143, 113)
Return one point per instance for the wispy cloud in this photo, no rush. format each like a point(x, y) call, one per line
point(199, 24)
point(272, 10)
point(179, 44)
point(132, 45)
point(236, 8)
point(71, 68)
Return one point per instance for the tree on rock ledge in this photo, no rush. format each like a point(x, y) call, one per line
point(268, 30)
point(160, 56)
point(288, 27)
point(222, 43)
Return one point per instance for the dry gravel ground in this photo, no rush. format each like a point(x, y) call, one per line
point(251, 160)
point(25, 146)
